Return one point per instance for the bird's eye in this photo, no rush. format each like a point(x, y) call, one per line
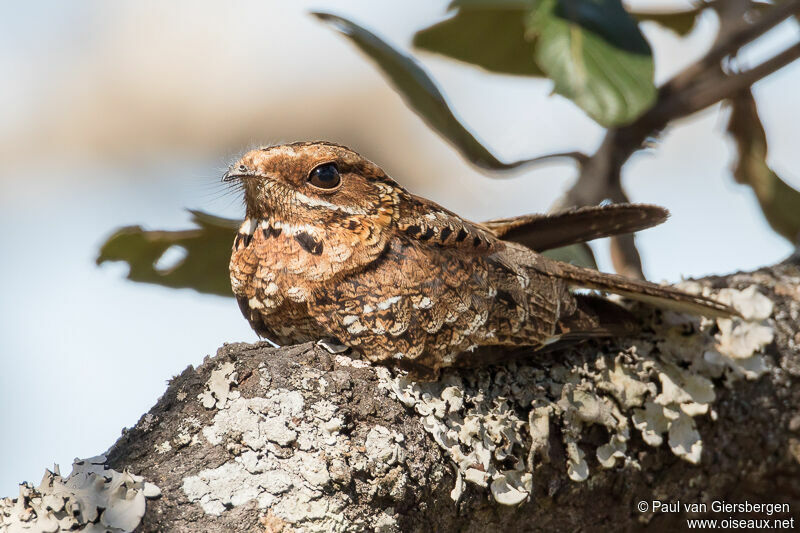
point(325, 176)
point(242, 168)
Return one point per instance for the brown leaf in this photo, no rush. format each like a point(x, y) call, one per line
point(779, 201)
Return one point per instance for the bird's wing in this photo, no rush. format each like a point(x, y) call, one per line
point(542, 232)
point(429, 224)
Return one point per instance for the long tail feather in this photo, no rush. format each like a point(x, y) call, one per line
point(643, 291)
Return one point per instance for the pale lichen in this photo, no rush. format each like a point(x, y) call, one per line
point(288, 455)
point(494, 423)
point(91, 498)
point(291, 450)
point(218, 388)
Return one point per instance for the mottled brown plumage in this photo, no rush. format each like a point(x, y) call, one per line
point(333, 248)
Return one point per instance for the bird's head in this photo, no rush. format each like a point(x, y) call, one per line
point(315, 183)
point(319, 197)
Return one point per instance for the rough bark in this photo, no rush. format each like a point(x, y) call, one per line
point(338, 451)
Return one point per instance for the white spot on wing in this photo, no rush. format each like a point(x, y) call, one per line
point(387, 303)
point(425, 303)
point(356, 327)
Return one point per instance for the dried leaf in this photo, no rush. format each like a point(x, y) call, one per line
point(779, 201)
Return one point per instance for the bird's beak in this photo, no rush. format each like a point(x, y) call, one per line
point(235, 174)
point(232, 175)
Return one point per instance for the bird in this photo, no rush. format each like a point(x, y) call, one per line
point(333, 249)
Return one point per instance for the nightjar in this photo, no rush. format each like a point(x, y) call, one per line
point(333, 248)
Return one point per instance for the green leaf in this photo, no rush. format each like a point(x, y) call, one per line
point(578, 254)
point(680, 22)
point(779, 201)
point(419, 92)
point(204, 268)
point(596, 55)
point(493, 39)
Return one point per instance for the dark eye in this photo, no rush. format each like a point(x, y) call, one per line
point(325, 176)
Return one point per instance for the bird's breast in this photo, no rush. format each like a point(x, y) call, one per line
point(275, 261)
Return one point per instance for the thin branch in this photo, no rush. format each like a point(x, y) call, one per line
point(712, 92)
point(730, 44)
point(579, 157)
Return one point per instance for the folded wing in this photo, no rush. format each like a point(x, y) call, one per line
point(542, 232)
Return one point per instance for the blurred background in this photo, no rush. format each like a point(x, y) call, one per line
point(125, 113)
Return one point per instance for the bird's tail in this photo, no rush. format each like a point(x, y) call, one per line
point(643, 291)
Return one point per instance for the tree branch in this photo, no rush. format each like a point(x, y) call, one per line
point(697, 87)
point(710, 93)
point(732, 40)
point(277, 440)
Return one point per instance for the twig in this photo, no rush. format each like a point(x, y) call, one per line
point(579, 157)
point(736, 38)
point(712, 92)
point(700, 85)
